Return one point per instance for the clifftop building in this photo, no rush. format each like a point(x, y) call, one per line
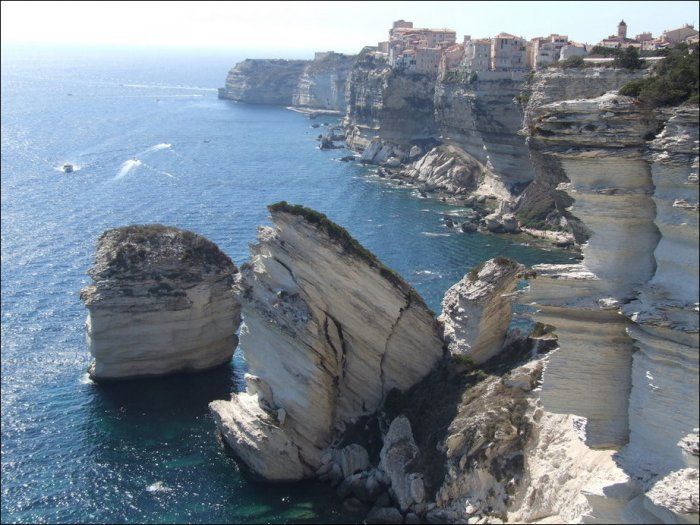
point(544, 51)
point(508, 52)
point(417, 49)
point(646, 42)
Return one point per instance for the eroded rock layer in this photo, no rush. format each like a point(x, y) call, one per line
point(627, 364)
point(483, 118)
point(162, 301)
point(329, 331)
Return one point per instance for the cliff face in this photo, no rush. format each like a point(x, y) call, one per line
point(631, 176)
point(322, 82)
point(541, 205)
point(483, 119)
point(162, 301)
point(392, 108)
point(328, 333)
point(263, 81)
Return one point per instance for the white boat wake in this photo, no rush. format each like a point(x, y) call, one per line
point(126, 167)
point(157, 147)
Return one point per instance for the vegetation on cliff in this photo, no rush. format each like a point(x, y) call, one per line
point(158, 247)
point(675, 80)
point(348, 242)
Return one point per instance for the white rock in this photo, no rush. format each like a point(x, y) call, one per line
point(351, 459)
point(266, 448)
point(162, 301)
point(398, 451)
point(329, 330)
point(477, 310)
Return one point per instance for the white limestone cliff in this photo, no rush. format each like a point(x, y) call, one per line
point(625, 376)
point(328, 333)
point(477, 310)
point(162, 301)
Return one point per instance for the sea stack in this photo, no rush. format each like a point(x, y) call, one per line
point(477, 310)
point(162, 301)
point(329, 331)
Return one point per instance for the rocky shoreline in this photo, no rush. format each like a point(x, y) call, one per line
point(421, 418)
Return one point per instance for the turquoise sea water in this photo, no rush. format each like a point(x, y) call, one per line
point(154, 144)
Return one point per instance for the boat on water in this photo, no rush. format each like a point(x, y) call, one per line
point(67, 168)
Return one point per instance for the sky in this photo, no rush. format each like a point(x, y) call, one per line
point(300, 27)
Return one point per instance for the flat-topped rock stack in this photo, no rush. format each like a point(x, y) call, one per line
point(162, 301)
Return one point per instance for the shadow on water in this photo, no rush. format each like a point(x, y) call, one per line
point(161, 432)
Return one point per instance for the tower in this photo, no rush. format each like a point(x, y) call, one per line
point(622, 29)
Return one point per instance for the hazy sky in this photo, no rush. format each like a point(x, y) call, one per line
point(305, 26)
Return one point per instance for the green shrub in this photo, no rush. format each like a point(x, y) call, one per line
point(628, 59)
point(473, 77)
point(633, 88)
point(675, 80)
point(474, 272)
point(541, 329)
point(602, 51)
point(463, 360)
point(523, 97)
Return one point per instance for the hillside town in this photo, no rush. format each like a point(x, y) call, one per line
point(431, 51)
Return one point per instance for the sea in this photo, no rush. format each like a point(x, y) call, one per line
point(152, 143)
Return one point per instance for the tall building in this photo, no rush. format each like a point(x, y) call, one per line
point(544, 51)
point(508, 52)
point(622, 29)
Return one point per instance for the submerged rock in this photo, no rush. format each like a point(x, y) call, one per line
point(162, 301)
point(330, 331)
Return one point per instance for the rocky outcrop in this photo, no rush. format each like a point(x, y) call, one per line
point(483, 118)
point(388, 107)
point(264, 81)
point(452, 448)
point(396, 457)
point(446, 169)
point(477, 310)
point(323, 81)
point(328, 332)
point(162, 301)
point(630, 417)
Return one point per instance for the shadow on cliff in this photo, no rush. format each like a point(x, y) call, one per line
point(432, 405)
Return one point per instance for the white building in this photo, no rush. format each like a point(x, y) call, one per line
point(572, 50)
point(547, 50)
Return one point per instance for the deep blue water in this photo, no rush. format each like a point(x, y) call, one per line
point(154, 144)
